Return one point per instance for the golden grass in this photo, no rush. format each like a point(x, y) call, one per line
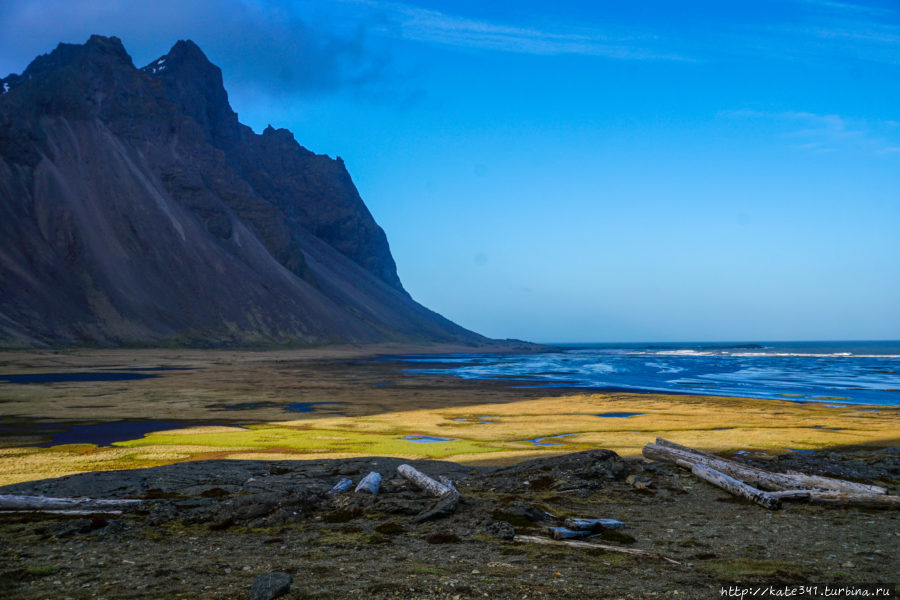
point(489, 423)
point(718, 424)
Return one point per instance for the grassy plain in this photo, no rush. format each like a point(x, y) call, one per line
point(239, 405)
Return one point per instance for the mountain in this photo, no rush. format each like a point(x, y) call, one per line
point(135, 209)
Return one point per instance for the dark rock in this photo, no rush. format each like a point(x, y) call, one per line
point(271, 585)
point(500, 529)
point(638, 481)
point(444, 507)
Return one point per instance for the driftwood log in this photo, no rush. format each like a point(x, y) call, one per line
point(341, 486)
point(754, 475)
point(447, 482)
point(533, 539)
point(564, 533)
point(423, 481)
point(882, 501)
point(594, 524)
point(71, 506)
point(792, 494)
point(735, 487)
point(369, 484)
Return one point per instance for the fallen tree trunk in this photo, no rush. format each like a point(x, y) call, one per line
point(735, 487)
point(882, 501)
point(766, 479)
point(45, 504)
point(369, 484)
point(751, 475)
point(423, 481)
point(590, 546)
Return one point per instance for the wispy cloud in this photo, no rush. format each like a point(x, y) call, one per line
point(431, 26)
point(853, 8)
point(832, 28)
point(811, 132)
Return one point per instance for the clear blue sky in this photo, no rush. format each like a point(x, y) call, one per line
point(579, 171)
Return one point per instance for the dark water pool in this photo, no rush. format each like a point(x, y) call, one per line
point(618, 415)
point(426, 439)
point(306, 407)
point(104, 434)
point(72, 377)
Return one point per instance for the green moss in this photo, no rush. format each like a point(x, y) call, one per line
point(739, 569)
point(42, 571)
point(310, 440)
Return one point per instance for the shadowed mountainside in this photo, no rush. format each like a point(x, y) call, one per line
point(136, 209)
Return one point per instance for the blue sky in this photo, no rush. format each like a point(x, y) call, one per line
point(580, 171)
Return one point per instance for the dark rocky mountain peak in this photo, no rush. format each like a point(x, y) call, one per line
point(136, 209)
point(195, 85)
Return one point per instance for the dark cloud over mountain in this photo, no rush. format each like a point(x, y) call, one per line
point(259, 47)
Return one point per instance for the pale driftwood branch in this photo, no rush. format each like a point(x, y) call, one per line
point(828, 483)
point(590, 546)
point(447, 482)
point(738, 488)
point(369, 484)
point(760, 477)
point(341, 486)
point(45, 504)
point(68, 513)
point(594, 524)
point(752, 475)
point(423, 481)
point(882, 501)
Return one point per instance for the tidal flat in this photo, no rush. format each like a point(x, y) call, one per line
point(244, 405)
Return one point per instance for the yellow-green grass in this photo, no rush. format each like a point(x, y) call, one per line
point(712, 423)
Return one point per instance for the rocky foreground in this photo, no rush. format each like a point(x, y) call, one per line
point(220, 529)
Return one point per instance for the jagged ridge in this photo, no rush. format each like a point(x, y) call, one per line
point(136, 209)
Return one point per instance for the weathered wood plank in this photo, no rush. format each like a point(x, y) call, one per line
point(533, 539)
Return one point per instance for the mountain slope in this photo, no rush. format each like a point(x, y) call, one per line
point(136, 209)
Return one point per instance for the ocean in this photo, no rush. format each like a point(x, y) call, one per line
point(831, 372)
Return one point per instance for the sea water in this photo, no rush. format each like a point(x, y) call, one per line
point(830, 372)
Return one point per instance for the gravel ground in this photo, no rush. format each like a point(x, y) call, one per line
point(210, 528)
